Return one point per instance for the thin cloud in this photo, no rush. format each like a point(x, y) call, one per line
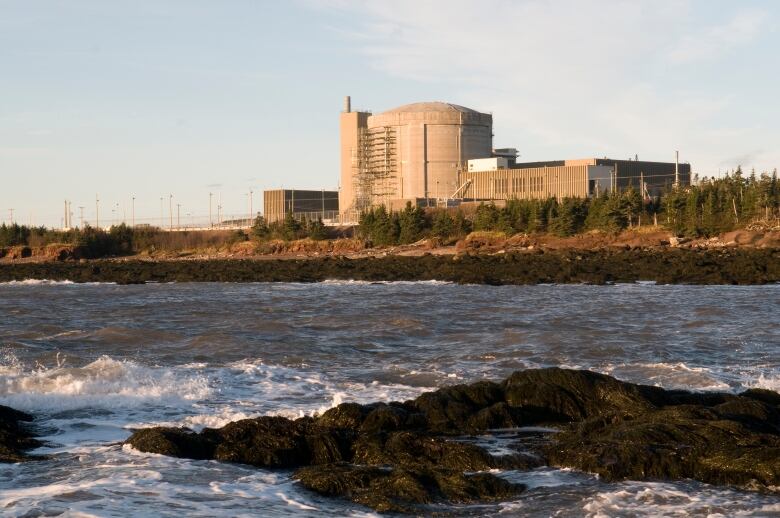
point(570, 78)
point(711, 42)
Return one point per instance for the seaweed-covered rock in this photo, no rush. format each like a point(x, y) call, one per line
point(270, 442)
point(395, 456)
point(549, 395)
point(450, 409)
point(15, 437)
point(404, 489)
point(174, 442)
point(675, 442)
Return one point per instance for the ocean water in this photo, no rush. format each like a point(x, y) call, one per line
point(94, 361)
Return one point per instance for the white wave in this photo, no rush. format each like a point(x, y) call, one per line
point(217, 419)
point(770, 382)
point(35, 282)
point(295, 392)
point(104, 383)
point(669, 376)
point(51, 282)
point(665, 499)
point(355, 282)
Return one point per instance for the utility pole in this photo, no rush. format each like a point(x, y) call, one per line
point(97, 212)
point(170, 210)
point(210, 223)
point(65, 221)
point(133, 211)
point(81, 217)
point(251, 213)
point(11, 212)
point(178, 216)
point(162, 218)
point(676, 169)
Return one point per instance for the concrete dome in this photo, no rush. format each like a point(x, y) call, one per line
point(435, 106)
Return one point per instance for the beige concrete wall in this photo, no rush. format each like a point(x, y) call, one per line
point(350, 124)
point(434, 144)
point(536, 183)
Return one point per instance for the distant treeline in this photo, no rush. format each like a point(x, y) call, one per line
point(125, 240)
point(710, 207)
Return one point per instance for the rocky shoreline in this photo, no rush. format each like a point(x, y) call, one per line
point(666, 266)
point(395, 457)
point(404, 456)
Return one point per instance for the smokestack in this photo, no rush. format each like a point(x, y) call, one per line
point(347, 104)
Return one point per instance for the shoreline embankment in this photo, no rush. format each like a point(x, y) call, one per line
point(745, 266)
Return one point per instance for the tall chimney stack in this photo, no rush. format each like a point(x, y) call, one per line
point(347, 104)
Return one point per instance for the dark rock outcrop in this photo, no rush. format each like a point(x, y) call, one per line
point(404, 489)
point(677, 266)
point(15, 438)
point(398, 455)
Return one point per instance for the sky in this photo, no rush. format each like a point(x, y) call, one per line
point(176, 99)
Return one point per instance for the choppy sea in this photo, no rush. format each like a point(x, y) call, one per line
point(93, 362)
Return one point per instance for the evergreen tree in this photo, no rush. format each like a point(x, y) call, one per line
point(291, 228)
point(443, 225)
point(411, 221)
point(260, 228)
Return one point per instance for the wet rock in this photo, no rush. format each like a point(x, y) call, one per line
point(561, 395)
point(404, 489)
point(15, 437)
point(395, 456)
point(451, 409)
point(671, 443)
point(669, 266)
point(269, 442)
point(411, 449)
point(174, 442)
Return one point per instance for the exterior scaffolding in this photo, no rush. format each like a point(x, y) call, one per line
point(375, 167)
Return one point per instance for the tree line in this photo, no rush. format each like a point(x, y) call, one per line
point(708, 207)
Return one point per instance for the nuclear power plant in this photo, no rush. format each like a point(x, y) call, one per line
point(412, 152)
point(439, 154)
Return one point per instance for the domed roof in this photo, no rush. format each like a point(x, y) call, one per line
point(435, 106)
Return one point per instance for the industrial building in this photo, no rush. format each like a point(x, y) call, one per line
point(440, 154)
point(437, 153)
point(302, 203)
point(534, 183)
point(654, 176)
point(412, 152)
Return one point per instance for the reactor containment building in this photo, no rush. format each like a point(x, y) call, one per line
point(412, 152)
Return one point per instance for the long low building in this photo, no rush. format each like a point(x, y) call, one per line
point(629, 173)
point(310, 204)
point(535, 183)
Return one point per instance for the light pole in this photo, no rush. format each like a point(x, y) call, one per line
point(210, 223)
point(162, 220)
point(170, 210)
point(178, 216)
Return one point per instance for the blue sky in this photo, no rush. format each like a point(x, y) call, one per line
point(150, 98)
